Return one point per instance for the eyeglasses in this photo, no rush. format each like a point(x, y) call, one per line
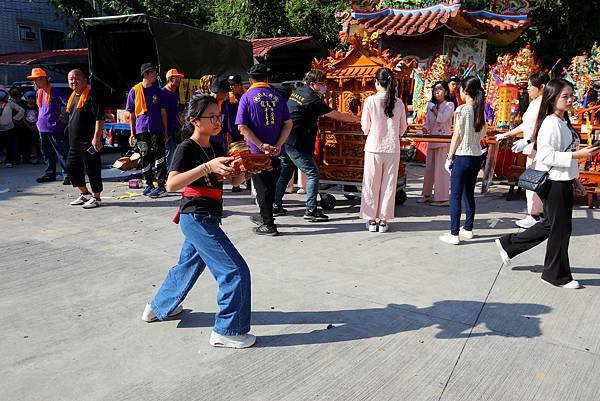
point(217, 118)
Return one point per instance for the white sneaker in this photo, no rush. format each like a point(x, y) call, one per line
point(371, 226)
point(383, 228)
point(450, 239)
point(527, 222)
point(243, 341)
point(503, 255)
point(572, 285)
point(149, 316)
point(80, 200)
point(466, 234)
point(301, 191)
point(92, 203)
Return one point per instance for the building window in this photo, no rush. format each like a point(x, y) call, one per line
point(52, 40)
point(26, 32)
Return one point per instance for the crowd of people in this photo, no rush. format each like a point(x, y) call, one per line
point(185, 149)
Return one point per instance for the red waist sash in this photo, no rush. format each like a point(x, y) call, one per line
point(210, 193)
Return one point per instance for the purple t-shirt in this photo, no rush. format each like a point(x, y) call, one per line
point(263, 110)
point(150, 121)
point(171, 103)
point(229, 110)
point(48, 116)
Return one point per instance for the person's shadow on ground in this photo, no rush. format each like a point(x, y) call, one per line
point(356, 324)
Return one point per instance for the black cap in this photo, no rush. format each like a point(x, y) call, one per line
point(220, 85)
point(144, 68)
point(454, 78)
point(234, 79)
point(259, 70)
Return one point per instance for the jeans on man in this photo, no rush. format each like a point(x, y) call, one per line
point(306, 163)
point(206, 245)
point(170, 146)
point(55, 148)
point(462, 185)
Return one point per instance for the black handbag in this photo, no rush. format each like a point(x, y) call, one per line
point(536, 180)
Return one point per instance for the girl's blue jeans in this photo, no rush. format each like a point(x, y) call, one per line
point(462, 186)
point(207, 245)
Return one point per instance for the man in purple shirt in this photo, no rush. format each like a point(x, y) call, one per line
point(264, 120)
point(149, 127)
point(174, 109)
point(50, 124)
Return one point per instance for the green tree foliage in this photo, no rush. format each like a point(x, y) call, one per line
point(191, 12)
point(316, 18)
point(250, 18)
point(245, 19)
point(562, 29)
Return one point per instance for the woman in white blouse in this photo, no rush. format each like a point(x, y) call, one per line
point(464, 159)
point(438, 121)
point(557, 152)
point(535, 89)
point(383, 121)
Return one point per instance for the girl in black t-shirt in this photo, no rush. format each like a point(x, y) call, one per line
point(198, 168)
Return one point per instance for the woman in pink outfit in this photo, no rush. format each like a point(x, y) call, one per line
point(383, 121)
point(438, 121)
point(535, 89)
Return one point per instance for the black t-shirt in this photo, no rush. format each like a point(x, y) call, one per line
point(189, 155)
point(82, 122)
point(305, 108)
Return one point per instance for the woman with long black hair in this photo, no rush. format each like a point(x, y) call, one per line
point(557, 152)
point(535, 89)
point(438, 121)
point(464, 158)
point(383, 121)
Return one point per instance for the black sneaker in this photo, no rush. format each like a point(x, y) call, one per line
point(67, 180)
point(236, 189)
point(256, 219)
point(46, 178)
point(266, 230)
point(279, 211)
point(315, 215)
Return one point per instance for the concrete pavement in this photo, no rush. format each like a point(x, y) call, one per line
point(340, 313)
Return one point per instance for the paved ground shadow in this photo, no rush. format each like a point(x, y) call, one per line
point(356, 324)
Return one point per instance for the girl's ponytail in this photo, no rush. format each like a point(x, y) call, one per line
point(472, 86)
point(385, 77)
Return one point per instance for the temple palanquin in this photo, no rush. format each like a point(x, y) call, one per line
point(419, 30)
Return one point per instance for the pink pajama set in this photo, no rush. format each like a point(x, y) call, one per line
point(437, 179)
point(382, 157)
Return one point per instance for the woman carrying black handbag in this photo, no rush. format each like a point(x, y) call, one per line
point(552, 134)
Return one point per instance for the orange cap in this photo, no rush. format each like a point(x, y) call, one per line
point(37, 73)
point(174, 73)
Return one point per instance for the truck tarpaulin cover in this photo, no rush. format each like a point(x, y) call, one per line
point(118, 45)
